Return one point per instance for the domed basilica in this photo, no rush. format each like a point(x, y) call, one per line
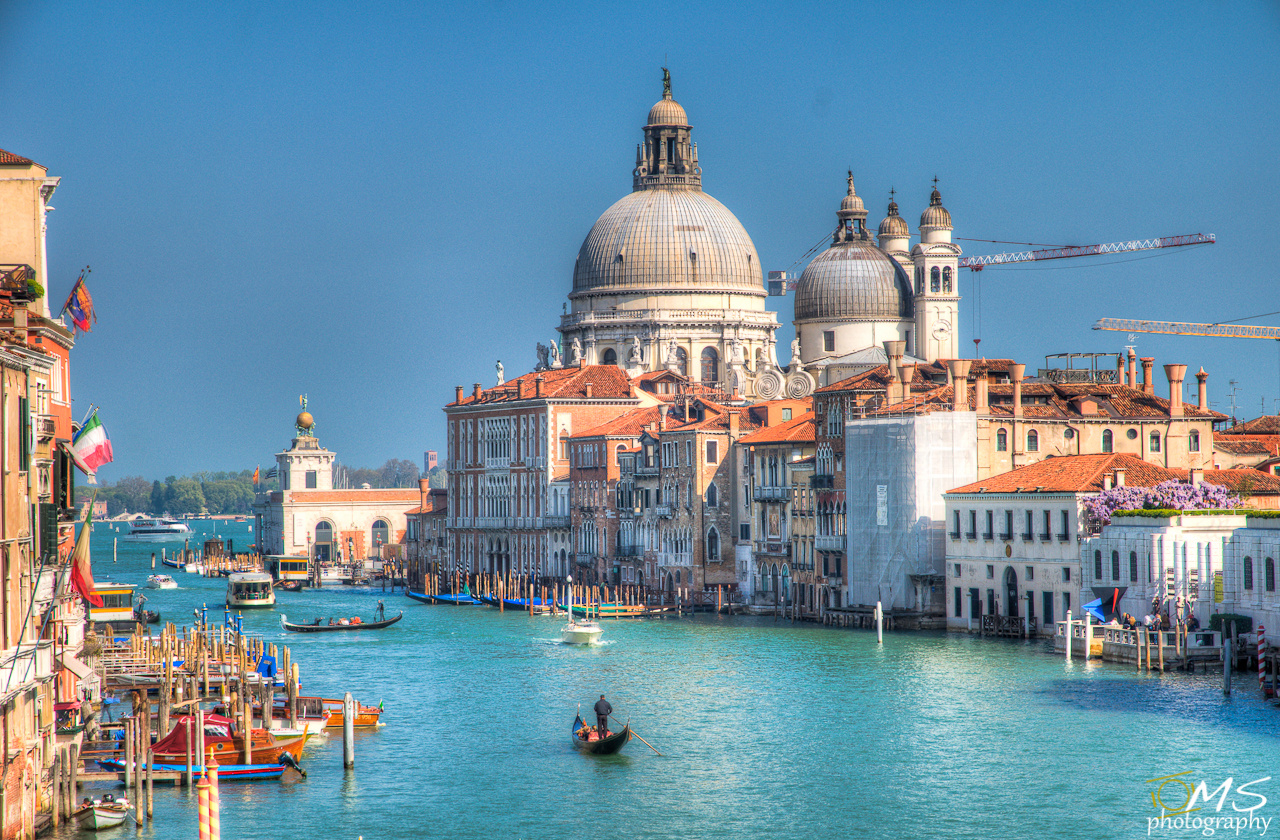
point(669, 279)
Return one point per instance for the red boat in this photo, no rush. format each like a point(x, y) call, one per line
point(225, 743)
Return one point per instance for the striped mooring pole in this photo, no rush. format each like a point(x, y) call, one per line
point(202, 793)
point(215, 800)
point(1262, 661)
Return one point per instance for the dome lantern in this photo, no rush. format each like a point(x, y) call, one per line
point(668, 157)
point(935, 221)
point(893, 226)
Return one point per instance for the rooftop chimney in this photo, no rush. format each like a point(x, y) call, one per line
point(1197, 476)
point(457, 393)
point(1106, 481)
point(1119, 369)
point(1176, 374)
point(733, 424)
point(588, 390)
point(1119, 477)
point(519, 389)
point(1148, 386)
point(537, 385)
point(893, 352)
point(1133, 369)
point(908, 376)
point(1202, 390)
point(477, 391)
point(980, 394)
point(1016, 373)
point(959, 370)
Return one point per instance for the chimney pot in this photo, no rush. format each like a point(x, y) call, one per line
point(457, 393)
point(1197, 476)
point(980, 394)
point(1119, 477)
point(1202, 390)
point(1148, 384)
point(959, 370)
point(733, 425)
point(1106, 481)
point(1133, 368)
point(1016, 373)
point(477, 390)
point(1175, 373)
point(519, 389)
point(589, 389)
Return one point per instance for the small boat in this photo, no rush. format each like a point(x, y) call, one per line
point(587, 739)
point(250, 590)
point(161, 582)
point(608, 610)
point(464, 599)
point(289, 585)
point(172, 562)
point(97, 814)
point(581, 632)
point(355, 623)
point(239, 772)
point(367, 717)
point(222, 738)
point(157, 530)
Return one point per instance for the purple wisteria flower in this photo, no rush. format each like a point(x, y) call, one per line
point(1168, 495)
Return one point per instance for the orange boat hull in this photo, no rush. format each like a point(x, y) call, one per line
point(264, 749)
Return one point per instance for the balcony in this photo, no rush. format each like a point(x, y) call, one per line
point(988, 536)
point(1064, 538)
point(663, 511)
point(829, 542)
point(46, 428)
point(1028, 537)
point(970, 535)
point(1007, 536)
point(648, 470)
point(629, 551)
point(555, 522)
point(1046, 538)
point(770, 494)
point(587, 560)
point(823, 482)
point(773, 547)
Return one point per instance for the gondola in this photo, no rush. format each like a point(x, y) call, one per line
point(289, 585)
point(465, 599)
point(608, 745)
point(322, 628)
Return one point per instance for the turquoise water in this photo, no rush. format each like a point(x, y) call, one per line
point(767, 730)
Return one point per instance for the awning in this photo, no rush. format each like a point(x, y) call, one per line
point(75, 666)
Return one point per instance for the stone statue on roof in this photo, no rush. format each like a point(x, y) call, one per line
point(666, 83)
point(542, 356)
point(501, 377)
point(635, 350)
point(554, 352)
point(795, 351)
point(575, 352)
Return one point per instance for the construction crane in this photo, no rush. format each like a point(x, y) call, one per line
point(1180, 328)
point(781, 282)
point(979, 263)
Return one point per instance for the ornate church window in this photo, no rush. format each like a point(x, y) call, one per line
point(934, 281)
point(710, 365)
point(609, 358)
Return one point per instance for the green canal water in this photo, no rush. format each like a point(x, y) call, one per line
point(767, 729)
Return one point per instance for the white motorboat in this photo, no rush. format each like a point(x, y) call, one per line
point(157, 530)
point(161, 582)
point(579, 632)
point(250, 590)
point(107, 812)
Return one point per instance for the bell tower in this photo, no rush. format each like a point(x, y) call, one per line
point(936, 284)
point(667, 157)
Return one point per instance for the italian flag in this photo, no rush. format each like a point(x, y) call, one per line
point(91, 448)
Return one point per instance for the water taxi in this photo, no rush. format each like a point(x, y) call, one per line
point(250, 590)
point(161, 582)
point(117, 602)
point(156, 530)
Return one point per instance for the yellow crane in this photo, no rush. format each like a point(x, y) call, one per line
point(1182, 328)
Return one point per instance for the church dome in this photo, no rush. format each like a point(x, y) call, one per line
point(667, 239)
point(894, 225)
point(853, 279)
point(935, 215)
point(667, 111)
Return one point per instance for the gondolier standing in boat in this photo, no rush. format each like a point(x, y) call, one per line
point(603, 710)
point(381, 612)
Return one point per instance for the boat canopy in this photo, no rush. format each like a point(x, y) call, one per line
point(215, 726)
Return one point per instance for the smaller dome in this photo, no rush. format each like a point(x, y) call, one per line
point(935, 215)
point(305, 420)
point(893, 224)
point(667, 111)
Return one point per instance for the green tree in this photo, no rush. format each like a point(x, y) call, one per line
point(133, 494)
point(157, 497)
point(187, 497)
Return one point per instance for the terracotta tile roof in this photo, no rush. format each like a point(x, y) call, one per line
point(796, 430)
point(10, 159)
point(631, 424)
point(1247, 444)
point(607, 382)
point(1268, 424)
point(1072, 474)
point(1248, 481)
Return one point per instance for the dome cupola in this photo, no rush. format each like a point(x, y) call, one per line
point(935, 215)
point(667, 157)
point(893, 226)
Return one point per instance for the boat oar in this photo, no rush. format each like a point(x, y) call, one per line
point(637, 734)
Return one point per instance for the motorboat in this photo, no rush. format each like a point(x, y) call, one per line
point(157, 530)
point(161, 582)
point(579, 632)
point(225, 742)
point(97, 814)
point(250, 590)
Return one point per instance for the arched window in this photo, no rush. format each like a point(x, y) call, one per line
point(1108, 441)
point(712, 496)
point(919, 280)
point(1002, 440)
point(1097, 565)
point(1033, 441)
point(1269, 572)
point(380, 533)
point(713, 546)
point(946, 279)
point(1193, 441)
point(710, 365)
point(1248, 573)
point(935, 281)
point(1115, 565)
point(1133, 567)
point(786, 582)
point(324, 533)
point(1155, 442)
point(609, 358)
point(682, 361)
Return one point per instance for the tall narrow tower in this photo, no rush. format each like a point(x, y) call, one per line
point(936, 284)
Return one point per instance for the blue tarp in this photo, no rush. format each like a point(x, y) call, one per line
point(267, 667)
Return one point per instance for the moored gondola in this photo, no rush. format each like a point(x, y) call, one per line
point(587, 739)
point(318, 627)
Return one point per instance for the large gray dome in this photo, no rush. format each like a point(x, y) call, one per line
point(667, 240)
point(853, 279)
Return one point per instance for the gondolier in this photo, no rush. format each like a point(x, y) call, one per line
point(603, 710)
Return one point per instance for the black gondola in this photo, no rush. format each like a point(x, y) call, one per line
point(611, 743)
point(323, 628)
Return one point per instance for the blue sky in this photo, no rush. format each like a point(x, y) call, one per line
point(373, 202)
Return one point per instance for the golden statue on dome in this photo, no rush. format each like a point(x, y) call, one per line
point(305, 424)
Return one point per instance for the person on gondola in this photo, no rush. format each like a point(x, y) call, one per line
point(603, 710)
point(381, 613)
